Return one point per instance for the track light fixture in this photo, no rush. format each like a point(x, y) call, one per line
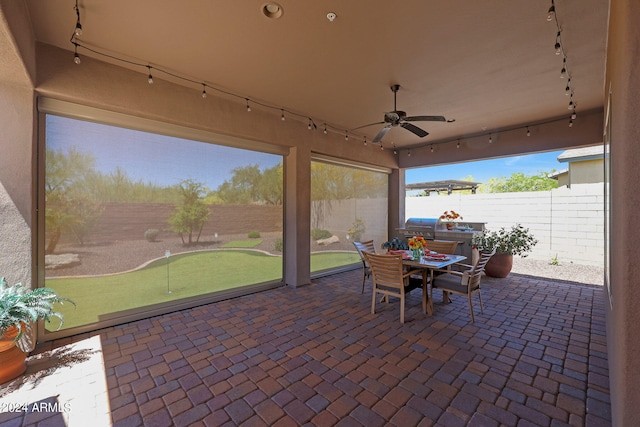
point(490, 139)
point(282, 114)
point(248, 106)
point(558, 46)
point(552, 12)
point(204, 90)
point(150, 78)
point(76, 57)
point(346, 135)
point(365, 140)
point(78, 30)
point(325, 129)
point(528, 131)
point(559, 49)
point(458, 144)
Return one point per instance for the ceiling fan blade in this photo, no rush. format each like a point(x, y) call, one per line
point(381, 134)
point(425, 119)
point(370, 124)
point(415, 129)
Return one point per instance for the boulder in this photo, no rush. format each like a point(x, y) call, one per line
point(54, 262)
point(328, 241)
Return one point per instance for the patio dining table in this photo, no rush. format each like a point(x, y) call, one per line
point(431, 264)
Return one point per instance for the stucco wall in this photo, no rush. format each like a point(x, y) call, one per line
point(586, 172)
point(568, 222)
point(623, 317)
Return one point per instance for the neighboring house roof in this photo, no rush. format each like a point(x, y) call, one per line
point(556, 174)
point(582, 154)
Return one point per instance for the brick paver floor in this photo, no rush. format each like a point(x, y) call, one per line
point(317, 356)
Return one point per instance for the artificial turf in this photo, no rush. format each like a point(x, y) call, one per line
point(182, 276)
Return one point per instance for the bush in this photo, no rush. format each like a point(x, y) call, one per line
point(254, 234)
point(317, 234)
point(279, 244)
point(517, 241)
point(151, 234)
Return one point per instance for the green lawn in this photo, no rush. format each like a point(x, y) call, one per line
point(188, 275)
point(244, 244)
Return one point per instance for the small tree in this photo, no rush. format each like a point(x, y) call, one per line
point(193, 213)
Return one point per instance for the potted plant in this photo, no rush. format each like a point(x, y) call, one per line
point(507, 243)
point(19, 309)
point(448, 218)
point(395, 244)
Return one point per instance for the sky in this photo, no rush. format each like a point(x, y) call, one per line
point(165, 160)
point(482, 171)
point(152, 158)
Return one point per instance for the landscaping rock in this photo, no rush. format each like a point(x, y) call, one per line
point(55, 262)
point(329, 241)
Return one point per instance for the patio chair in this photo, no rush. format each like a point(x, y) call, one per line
point(442, 246)
point(390, 280)
point(463, 282)
point(367, 246)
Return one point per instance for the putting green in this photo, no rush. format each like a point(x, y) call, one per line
point(185, 275)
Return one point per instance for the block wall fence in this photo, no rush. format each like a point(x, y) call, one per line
point(568, 222)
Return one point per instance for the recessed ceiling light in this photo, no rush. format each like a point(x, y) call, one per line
point(272, 10)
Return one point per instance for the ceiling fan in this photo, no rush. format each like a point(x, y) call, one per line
point(397, 117)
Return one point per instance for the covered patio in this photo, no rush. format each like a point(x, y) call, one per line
point(316, 356)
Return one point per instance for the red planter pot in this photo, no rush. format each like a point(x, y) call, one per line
point(12, 359)
point(499, 265)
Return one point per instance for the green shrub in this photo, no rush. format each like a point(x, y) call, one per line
point(279, 245)
point(318, 233)
point(254, 234)
point(151, 234)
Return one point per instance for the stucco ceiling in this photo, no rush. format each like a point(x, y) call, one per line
point(489, 64)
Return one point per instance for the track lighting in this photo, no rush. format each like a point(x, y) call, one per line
point(365, 140)
point(76, 57)
point(409, 153)
point(282, 115)
point(572, 105)
point(458, 144)
point(204, 90)
point(381, 147)
point(248, 107)
point(490, 139)
point(528, 131)
point(309, 124)
point(346, 135)
point(432, 148)
point(574, 115)
point(325, 129)
point(78, 30)
point(551, 12)
point(570, 123)
point(150, 78)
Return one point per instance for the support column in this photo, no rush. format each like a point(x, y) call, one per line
point(297, 218)
point(395, 201)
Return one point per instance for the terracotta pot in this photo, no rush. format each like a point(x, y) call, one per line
point(499, 265)
point(12, 359)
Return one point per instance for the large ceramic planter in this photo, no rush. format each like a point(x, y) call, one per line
point(12, 359)
point(499, 265)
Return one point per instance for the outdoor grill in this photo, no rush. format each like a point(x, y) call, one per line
point(425, 227)
point(431, 229)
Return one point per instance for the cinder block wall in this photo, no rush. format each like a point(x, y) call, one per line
point(568, 222)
